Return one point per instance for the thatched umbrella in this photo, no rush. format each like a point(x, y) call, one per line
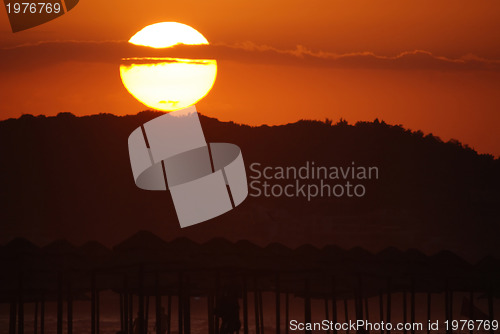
point(71, 266)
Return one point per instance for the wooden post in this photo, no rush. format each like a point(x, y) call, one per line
point(187, 305)
point(327, 313)
point(447, 305)
point(381, 306)
point(180, 305)
point(159, 316)
point(60, 303)
point(256, 306)
point(367, 309)
point(287, 312)
point(140, 316)
point(490, 306)
point(451, 305)
point(35, 320)
point(334, 303)
point(405, 311)
point(210, 311)
point(70, 309)
point(125, 305)
point(92, 304)
point(307, 304)
point(471, 306)
point(278, 305)
point(245, 306)
point(42, 315)
point(346, 312)
point(429, 302)
point(216, 296)
point(359, 300)
point(169, 312)
point(20, 311)
point(13, 316)
point(261, 311)
point(122, 327)
point(388, 303)
point(98, 312)
point(358, 306)
point(412, 305)
point(131, 313)
point(146, 316)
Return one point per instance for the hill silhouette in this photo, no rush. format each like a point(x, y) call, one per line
point(69, 177)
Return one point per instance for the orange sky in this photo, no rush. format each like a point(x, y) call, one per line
point(280, 61)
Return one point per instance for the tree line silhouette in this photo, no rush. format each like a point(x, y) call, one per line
point(69, 177)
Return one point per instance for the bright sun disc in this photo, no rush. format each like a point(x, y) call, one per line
point(167, 34)
point(168, 84)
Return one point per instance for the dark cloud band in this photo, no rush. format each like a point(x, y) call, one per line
point(50, 53)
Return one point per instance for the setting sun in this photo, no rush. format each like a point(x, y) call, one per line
point(167, 34)
point(168, 84)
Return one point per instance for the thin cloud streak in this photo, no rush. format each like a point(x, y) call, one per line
point(43, 54)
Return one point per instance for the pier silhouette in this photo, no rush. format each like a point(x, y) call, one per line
point(231, 278)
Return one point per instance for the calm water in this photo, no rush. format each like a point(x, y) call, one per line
point(110, 321)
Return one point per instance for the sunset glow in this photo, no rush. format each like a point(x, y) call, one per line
point(427, 65)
